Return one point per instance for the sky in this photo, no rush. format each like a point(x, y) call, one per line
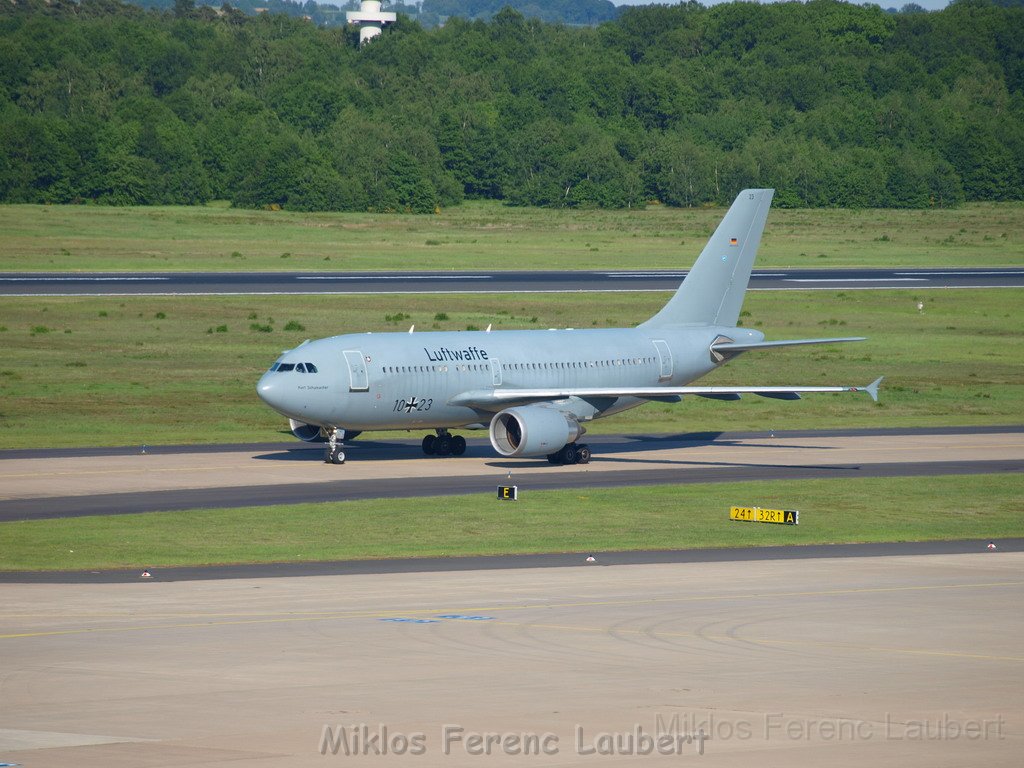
point(931, 5)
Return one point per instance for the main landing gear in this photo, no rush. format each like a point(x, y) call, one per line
point(333, 453)
point(444, 444)
point(571, 454)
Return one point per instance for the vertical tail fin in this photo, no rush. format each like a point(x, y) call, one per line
point(713, 290)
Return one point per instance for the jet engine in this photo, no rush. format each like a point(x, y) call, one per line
point(533, 430)
point(311, 433)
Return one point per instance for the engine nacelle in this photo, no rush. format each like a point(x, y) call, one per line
point(533, 430)
point(311, 433)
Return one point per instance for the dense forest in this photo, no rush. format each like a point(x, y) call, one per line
point(831, 103)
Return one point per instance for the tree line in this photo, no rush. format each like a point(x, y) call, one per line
point(428, 13)
point(832, 104)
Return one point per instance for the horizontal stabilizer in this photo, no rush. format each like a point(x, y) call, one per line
point(497, 399)
point(743, 346)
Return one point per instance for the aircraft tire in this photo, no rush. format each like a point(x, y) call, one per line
point(554, 458)
point(443, 446)
point(583, 454)
point(569, 454)
point(338, 458)
point(458, 445)
point(430, 444)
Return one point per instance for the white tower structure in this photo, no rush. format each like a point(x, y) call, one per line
point(370, 19)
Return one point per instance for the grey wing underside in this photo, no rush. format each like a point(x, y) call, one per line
point(496, 399)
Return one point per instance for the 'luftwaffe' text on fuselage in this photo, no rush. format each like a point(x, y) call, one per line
point(443, 354)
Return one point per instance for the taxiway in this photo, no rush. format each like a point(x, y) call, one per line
point(887, 660)
point(49, 484)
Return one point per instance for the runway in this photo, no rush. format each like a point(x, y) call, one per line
point(54, 484)
point(590, 281)
point(903, 660)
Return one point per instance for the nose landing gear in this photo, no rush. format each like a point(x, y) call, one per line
point(334, 454)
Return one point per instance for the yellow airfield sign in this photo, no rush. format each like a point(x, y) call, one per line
point(758, 515)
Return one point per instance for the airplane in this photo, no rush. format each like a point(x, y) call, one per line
point(535, 390)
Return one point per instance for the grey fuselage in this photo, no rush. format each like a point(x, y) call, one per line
point(390, 381)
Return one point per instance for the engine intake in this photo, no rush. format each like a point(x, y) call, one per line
point(311, 433)
point(533, 430)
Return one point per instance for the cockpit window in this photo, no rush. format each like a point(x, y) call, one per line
point(297, 367)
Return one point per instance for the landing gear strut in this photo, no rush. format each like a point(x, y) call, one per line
point(334, 454)
point(444, 444)
point(571, 454)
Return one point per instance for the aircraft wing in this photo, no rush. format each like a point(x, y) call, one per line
point(491, 399)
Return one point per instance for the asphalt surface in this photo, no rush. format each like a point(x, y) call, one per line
point(513, 562)
point(910, 657)
point(371, 449)
point(252, 283)
point(263, 475)
point(418, 487)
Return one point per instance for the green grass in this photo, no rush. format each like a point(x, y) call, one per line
point(489, 235)
point(110, 371)
point(661, 517)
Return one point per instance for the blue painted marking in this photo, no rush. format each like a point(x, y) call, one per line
point(460, 617)
point(411, 621)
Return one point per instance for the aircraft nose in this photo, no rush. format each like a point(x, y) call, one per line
point(272, 392)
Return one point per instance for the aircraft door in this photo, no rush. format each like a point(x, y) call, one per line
point(495, 372)
point(664, 358)
point(358, 381)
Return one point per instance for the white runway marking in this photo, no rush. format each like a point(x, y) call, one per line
point(394, 277)
point(94, 279)
point(856, 279)
point(968, 273)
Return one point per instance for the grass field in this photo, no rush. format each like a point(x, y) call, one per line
point(489, 235)
point(662, 517)
point(159, 370)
